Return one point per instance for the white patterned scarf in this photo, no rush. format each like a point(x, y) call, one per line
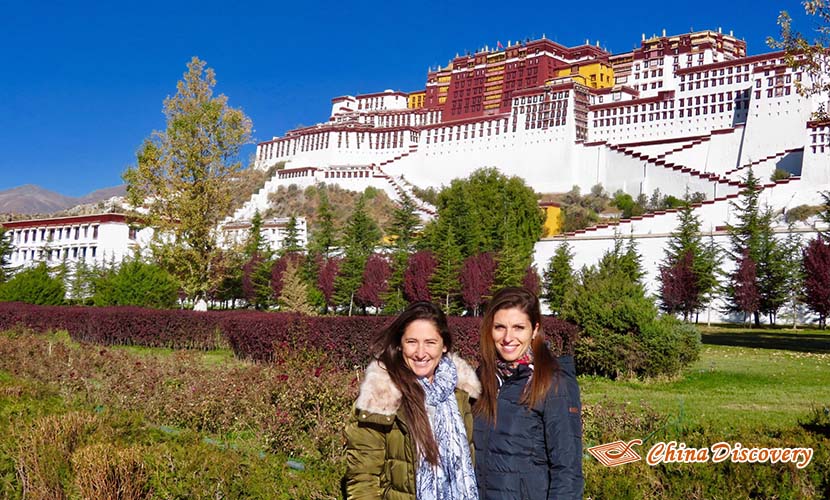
point(453, 478)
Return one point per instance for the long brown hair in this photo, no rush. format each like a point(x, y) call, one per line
point(545, 365)
point(387, 349)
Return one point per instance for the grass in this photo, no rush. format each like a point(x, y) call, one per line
point(734, 388)
point(781, 337)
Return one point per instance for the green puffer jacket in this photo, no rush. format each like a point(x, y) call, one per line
point(380, 455)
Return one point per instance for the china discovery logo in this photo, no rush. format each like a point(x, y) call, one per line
point(621, 452)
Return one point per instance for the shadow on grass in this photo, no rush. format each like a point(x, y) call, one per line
point(770, 340)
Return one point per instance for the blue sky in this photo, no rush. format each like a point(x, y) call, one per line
point(82, 83)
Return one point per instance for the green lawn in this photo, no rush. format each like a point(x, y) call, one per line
point(730, 387)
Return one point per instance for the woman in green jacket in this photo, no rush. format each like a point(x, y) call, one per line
point(410, 436)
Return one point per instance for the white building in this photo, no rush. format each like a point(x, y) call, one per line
point(95, 240)
point(684, 112)
point(273, 232)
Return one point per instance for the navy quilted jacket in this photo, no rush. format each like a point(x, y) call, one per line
point(532, 453)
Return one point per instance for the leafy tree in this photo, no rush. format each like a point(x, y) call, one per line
point(6, 248)
point(291, 241)
point(294, 294)
point(328, 270)
point(360, 238)
point(627, 205)
point(477, 208)
point(688, 259)
point(476, 278)
point(375, 282)
point(33, 285)
point(183, 177)
point(745, 285)
point(136, 283)
point(531, 280)
point(230, 266)
point(558, 279)
point(418, 272)
point(679, 287)
point(808, 57)
point(816, 269)
point(324, 240)
point(444, 281)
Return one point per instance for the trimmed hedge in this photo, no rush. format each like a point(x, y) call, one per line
point(258, 336)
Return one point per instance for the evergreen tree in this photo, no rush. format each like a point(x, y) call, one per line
point(689, 259)
point(291, 241)
point(793, 252)
point(81, 283)
point(444, 281)
point(476, 208)
point(294, 293)
point(183, 175)
point(136, 283)
point(6, 248)
point(771, 268)
point(361, 236)
point(405, 222)
point(746, 239)
point(514, 258)
point(33, 285)
point(324, 239)
point(256, 277)
point(558, 279)
point(255, 243)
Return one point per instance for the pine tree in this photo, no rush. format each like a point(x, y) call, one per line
point(405, 222)
point(6, 248)
point(444, 281)
point(324, 239)
point(793, 252)
point(558, 279)
point(291, 241)
point(686, 251)
point(771, 269)
point(514, 257)
point(256, 277)
point(746, 237)
point(360, 238)
point(255, 243)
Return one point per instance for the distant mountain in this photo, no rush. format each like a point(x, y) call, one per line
point(31, 199)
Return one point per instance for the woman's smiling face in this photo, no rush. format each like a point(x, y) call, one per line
point(422, 347)
point(512, 333)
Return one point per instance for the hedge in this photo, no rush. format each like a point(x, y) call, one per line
point(259, 336)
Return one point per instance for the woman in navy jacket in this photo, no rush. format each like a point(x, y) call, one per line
point(527, 430)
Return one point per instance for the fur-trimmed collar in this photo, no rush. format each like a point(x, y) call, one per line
point(379, 395)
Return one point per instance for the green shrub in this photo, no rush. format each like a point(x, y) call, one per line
point(622, 334)
point(136, 283)
point(33, 286)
